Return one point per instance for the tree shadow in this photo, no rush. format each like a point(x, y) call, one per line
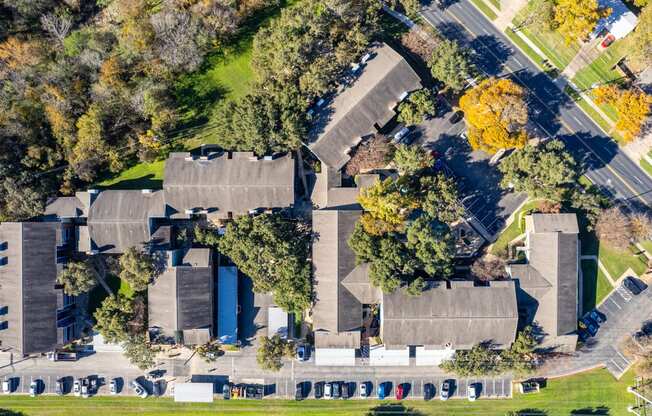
point(490, 55)
point(589, 411)
point(8, 412)
point(529, 412)
point(144, 182)
point(393, 409)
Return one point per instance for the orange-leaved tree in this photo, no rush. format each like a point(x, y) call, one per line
point(632, 106)
point(495, 113)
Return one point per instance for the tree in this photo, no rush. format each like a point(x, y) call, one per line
point(540, 15)
point(632, 106)
point(393, 261)
point(489, 268)
point(451, 64)
point(271, 352)
point(136, 268)
point(388, 201)
point(576, 20)
point(433, 246)
point(112, 317)
point(419, 105)
point(262, 123)
point(374, 153)
point(496, 114)
point(209, 351)
point(273, 251)
point(480, 360)
point(614, 229)
point(411, 159)
point(441, 198)
point(545, 172)
point(22, 198)
point(411, 8)
point(521, 358)
point(589, 202)
point(77, 278)
point(421, 41)
point(641, 40)
point(364, 245)
point(641, 225)
point(140, 352)
point(416, 287)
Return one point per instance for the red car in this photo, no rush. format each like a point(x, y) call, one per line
point(399, 392)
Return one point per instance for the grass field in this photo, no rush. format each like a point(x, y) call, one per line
point(550, 42)
point(516, 39)
point(595, 393)
point(513, 230)
point(595, 285)
point(646, 166)
point(614, 261)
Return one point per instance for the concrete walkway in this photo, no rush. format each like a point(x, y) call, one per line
point(588, 53)
point(508, 11)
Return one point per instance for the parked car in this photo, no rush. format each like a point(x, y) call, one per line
point(298, 392)
point(85, 388)
point(428, 391)
point(346, 390)
point(6, 386)
point(260, 392)
point(363, 391)
point(336, 390)
point(445, 390)
point(382, 391)
point(633, 285)
point(588, 325)
point(226, 391)
point(139, 389)
point(472, 392)
point(398, 137)
point(319, 390)
point(58, 387)
point(156, 389)
point(113, 386)
point(399, 392)
point(92, 385)
point(328, 391)
point(596, 316)
point(76, 387)
point(456, 117)
point(301, 353)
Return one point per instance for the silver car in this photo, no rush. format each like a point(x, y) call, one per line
point(139, 389)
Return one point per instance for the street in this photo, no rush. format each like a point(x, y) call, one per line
point(554, 112)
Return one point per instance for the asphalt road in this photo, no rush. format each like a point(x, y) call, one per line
point(552, 110)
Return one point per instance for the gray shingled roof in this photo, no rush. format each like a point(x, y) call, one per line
point(461, 316)
point(28, 286)
point(181, 298)
point(66, 207)
point(119, 219)
point(370, 99)
point(329, 193)
point(550, 278)
point(221, 184)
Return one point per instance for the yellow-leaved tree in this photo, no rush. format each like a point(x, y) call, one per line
point(576, 19)
point(632, 106)
point(387, 204)
point(495, 113)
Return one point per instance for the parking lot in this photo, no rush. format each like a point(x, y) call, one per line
point(46, 384)
point(499, 387)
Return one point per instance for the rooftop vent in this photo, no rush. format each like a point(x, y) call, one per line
point(268, 157)
point(146, 191)
point(190, 157)
point(93, 191)
point(403, 96)
point(365, 58)
point(189, 211)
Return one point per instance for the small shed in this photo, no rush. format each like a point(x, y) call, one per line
point(193, 392)
point(620, 22)
point(227, 304)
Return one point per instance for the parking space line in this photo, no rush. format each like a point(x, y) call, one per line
point(622, 356)
point(619, 368)
point(614, 302)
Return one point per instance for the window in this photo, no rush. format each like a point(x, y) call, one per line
point(4, 261)
point(4, 310)
point(4, 325)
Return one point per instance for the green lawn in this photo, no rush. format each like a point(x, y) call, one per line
point(496, 3)
point(98, 294)
point(595, 285)
point(480, 4)
point(513, 230)
point(601, 70)
point(614, 261)
point(516, 39)
point(140, 176)
point(595, 116)
point(550, 42)
point(595, 392)
point(647, 245)
point(646, 166)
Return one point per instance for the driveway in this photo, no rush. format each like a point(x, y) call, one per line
point(625, 314)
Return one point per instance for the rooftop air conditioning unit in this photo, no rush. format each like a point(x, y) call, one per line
point(203, 157)
point(190, 157)
point(93, 252)
point(403, 96)
point(189, 211)
point(253, 211)
point(146, 191)
point(355, 68)
point(203, 211)
point(365, 58)
point(268, 157)
point(320, 102)
point(93, 191)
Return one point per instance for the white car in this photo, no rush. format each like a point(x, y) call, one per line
point(139, 389)
point(328, 391)
point(472, 392)
point(76, 388)
point(401, 134)
point(33, 389)
point(113, 386)
point(445, 390)
point(363, 391)
point(6, 386)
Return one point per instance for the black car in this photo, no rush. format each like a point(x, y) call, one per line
point(298, 393)
point(250, 392)
point(345, 391)
point(226, 391)
point(156, 389)
point(336, 390)
point(633, 285)
point(456, 117)
point(260, 392)
point(319, 390)
point(428, 391)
